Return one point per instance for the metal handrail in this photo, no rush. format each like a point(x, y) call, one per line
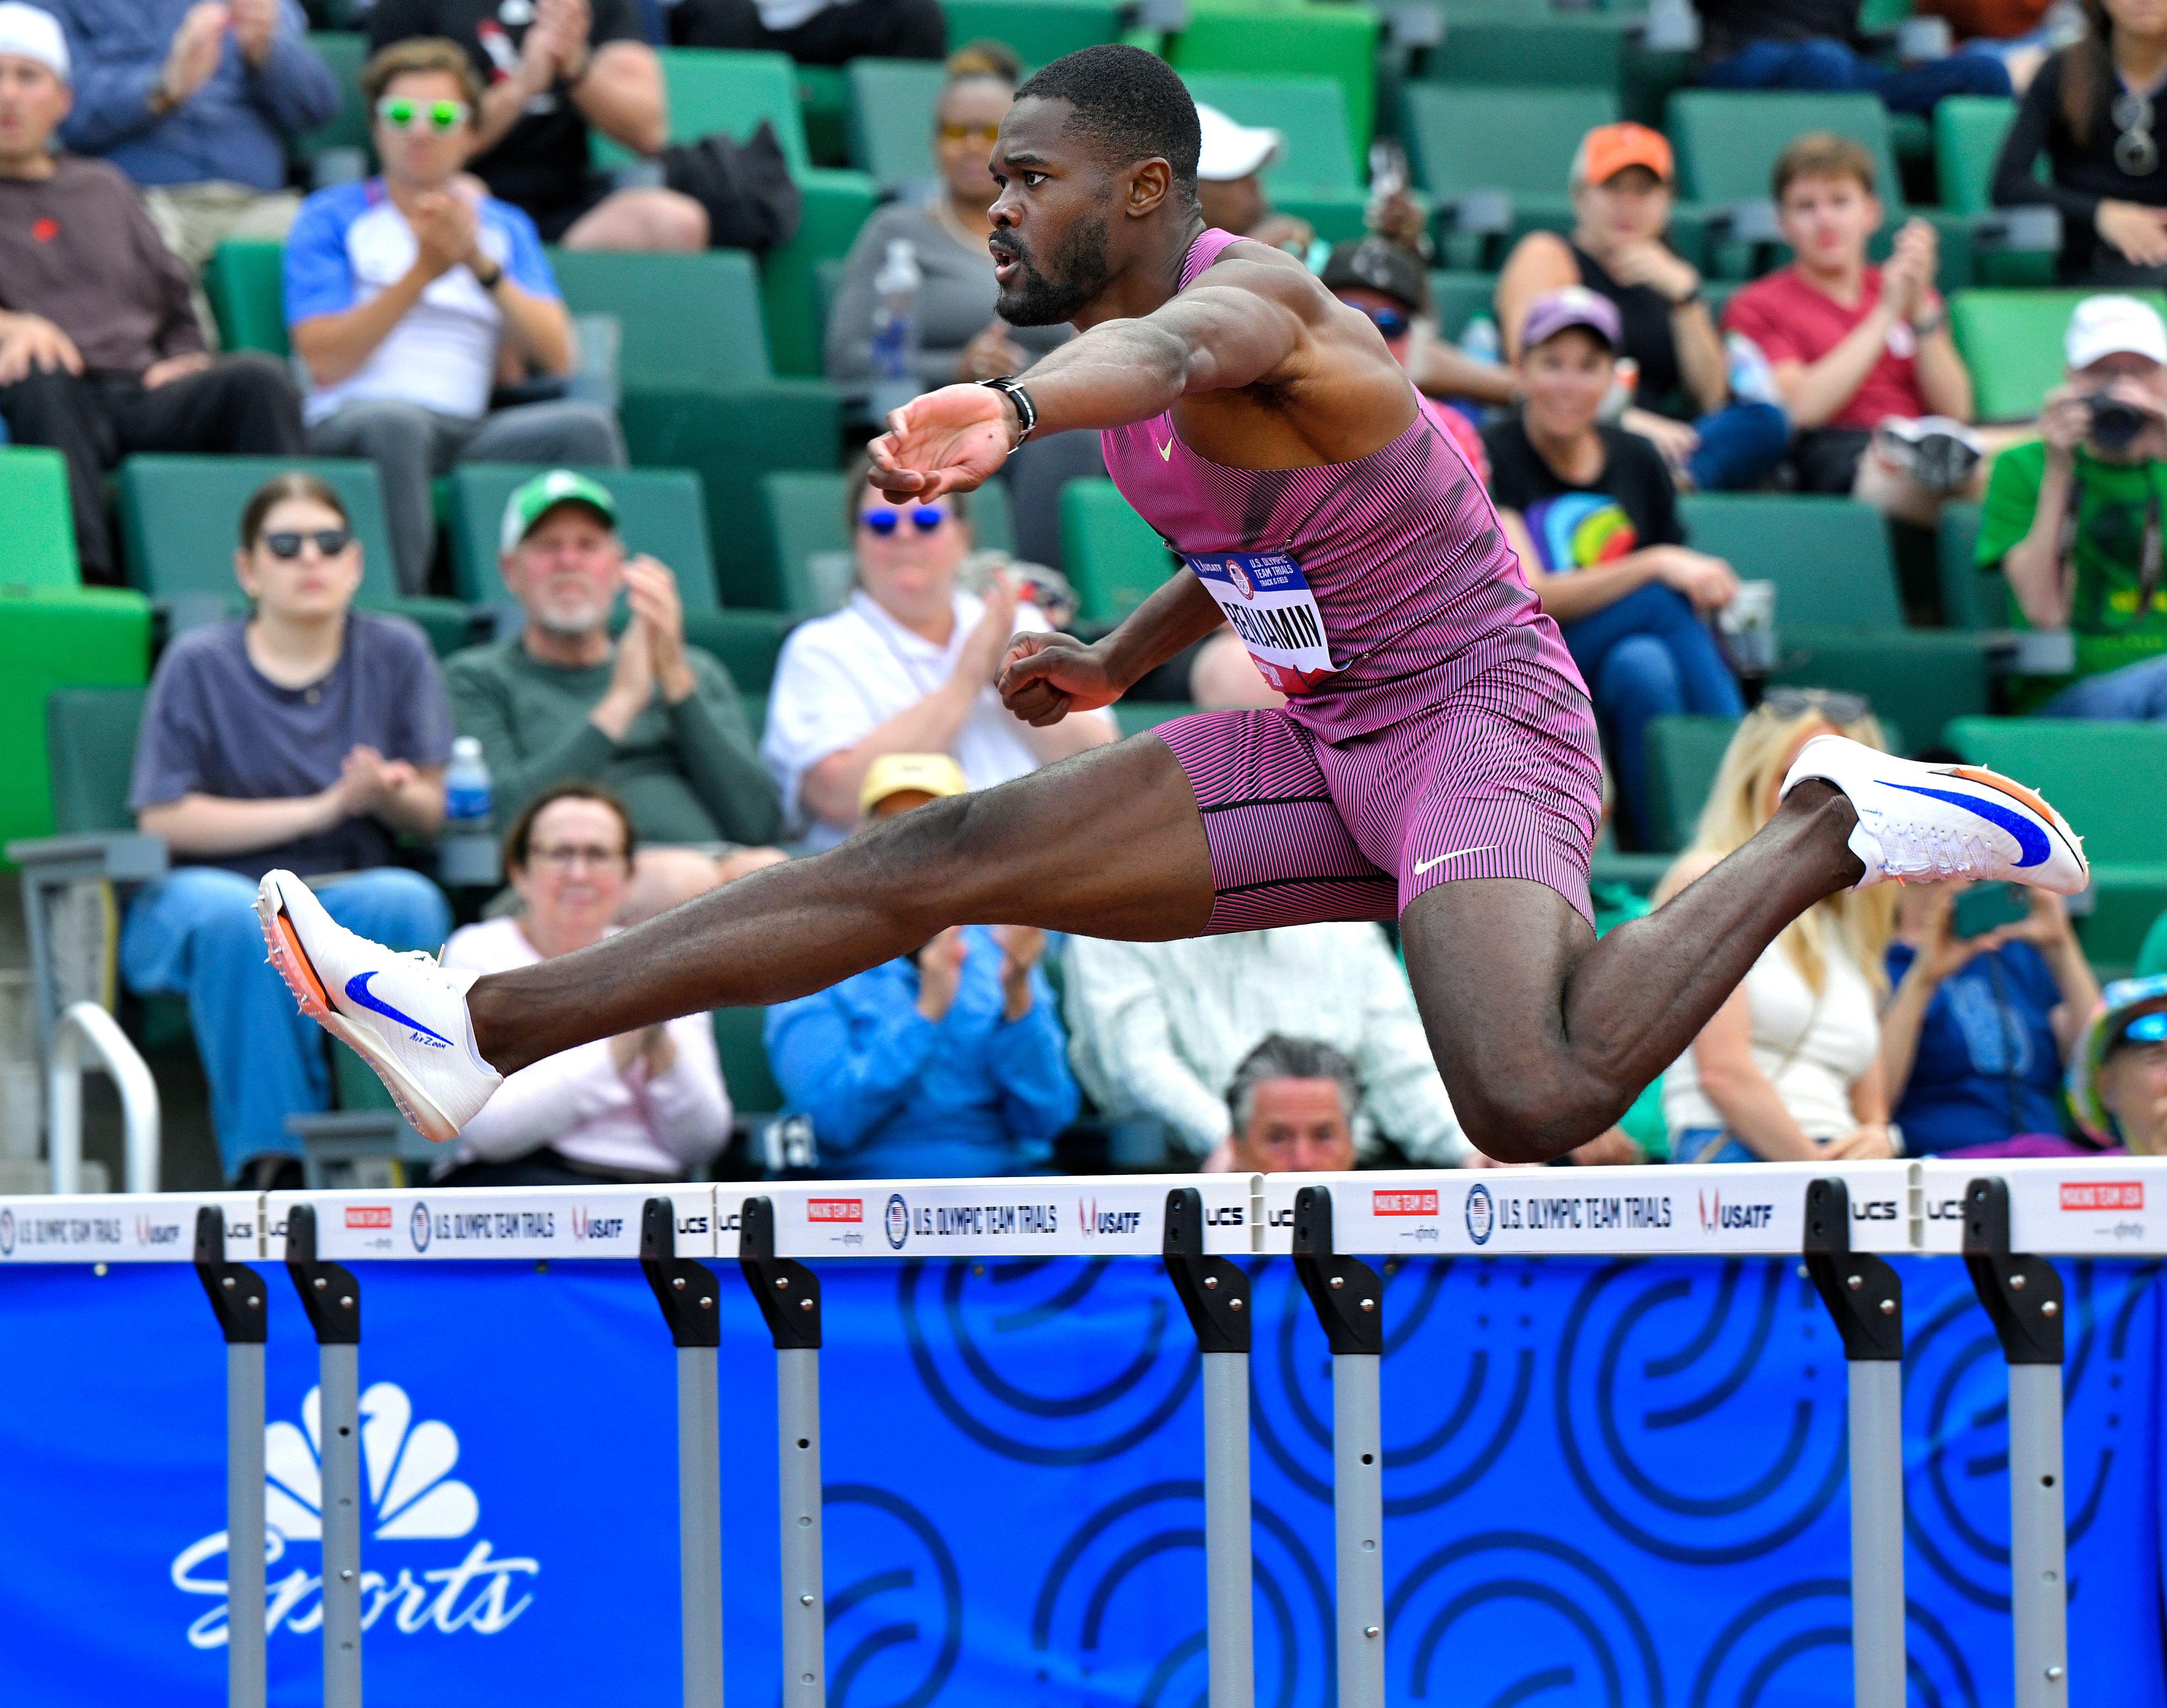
point(85, 1023)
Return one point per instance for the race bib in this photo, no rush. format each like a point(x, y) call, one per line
point(1269, 604)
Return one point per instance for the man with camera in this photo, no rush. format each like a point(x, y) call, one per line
point(2073, 518)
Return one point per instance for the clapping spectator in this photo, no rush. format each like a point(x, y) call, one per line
point(1983, 1017)
point(815, 32)
point(1623, 184)
point(1590, 509)
point(1861, 354)
point(1814, 44)
point(2072, 518)
point(2090, 110)
point(656, 722)
point(906, 667)
point(650, 1105)
point(2118, 1071)
point(100, 351)
point(553, 71)
point(306, 736)
point(1789, 1068)
point(408, 296)
point(197, 101)
point(944, 1062)
point(1293, 1102)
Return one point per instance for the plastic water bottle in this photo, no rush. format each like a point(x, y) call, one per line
point(1753, 380)
point(466, 788)
point(895, 317)
point(1478, 341)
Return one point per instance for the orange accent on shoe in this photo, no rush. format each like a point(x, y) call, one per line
point(2016, 791)
point(301, 959)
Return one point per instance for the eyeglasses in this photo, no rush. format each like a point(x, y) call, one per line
point(1838, 708)
point(925, 518)
point(2146, 1028)
point(330, 542)
point(442, 117)
point(1391, 322)
point(563, 860)
point(953, 132)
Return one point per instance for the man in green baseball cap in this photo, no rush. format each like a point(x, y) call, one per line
point(656, 722)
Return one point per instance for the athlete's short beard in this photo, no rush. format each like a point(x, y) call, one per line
point(1076, 273)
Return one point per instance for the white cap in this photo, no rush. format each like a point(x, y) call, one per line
point(1231, 150)
point(2104, 326)
point(28, 34)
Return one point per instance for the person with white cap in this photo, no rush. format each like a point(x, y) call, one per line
point(100, 351)
point(2100, 463)
point(1230, 186)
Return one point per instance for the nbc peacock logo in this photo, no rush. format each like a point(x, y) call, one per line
point(414, 1500)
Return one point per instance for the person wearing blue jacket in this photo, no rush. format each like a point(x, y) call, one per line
point(947, 1062)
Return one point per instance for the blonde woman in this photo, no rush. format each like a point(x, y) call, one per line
point(1789, 1069)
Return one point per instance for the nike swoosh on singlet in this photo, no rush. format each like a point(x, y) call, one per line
point(357, 991)
point(1165, 451)
point(1421, 866)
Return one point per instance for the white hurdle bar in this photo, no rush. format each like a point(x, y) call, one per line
point(2004, 1219)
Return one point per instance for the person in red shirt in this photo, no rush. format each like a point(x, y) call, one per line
point(1861, 354)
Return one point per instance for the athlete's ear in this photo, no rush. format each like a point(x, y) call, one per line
point(1148, 186)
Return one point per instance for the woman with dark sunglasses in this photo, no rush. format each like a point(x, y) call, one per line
point(305, 734)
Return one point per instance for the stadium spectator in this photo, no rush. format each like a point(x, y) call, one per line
point(1388, 284)
point(196, 101)
point(2118, 1071)
point(408, 295)
point(1973, 1039)
point(554, 72)
point(306, 736)
point(1861, 354)
point(815, 32)
point(1591, 511)
point(2072, 518)
point(1623, 184)
point(1158, 1029)
point(945, 1062)
point(2106, 175)
point(1230, 185)
point(656, 722)
point(906, 667)
point(1293, 1101)
point(648, 1106)
point(100, 351)
point(1789, 1068)
point(2015, 32)
point(1815, 44)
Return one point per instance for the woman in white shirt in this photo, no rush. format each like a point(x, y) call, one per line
point(647, 1106)
point(1789, 1068)
point(906, 667)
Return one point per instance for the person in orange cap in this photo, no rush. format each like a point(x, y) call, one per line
point(1624, 183)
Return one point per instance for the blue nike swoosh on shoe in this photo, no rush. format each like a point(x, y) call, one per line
point(357, 991)
point(2031, 840)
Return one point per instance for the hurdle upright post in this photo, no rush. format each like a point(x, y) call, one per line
point(690, 1298)
point(239, 1302)
point(1865, 1296)
point(2023, 1298)
point(1215, 1293)
point(789, 1296)
point(331, 1297)
point(1350, 1298)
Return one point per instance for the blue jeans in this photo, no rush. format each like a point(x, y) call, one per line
point(1821, 62)
point(1741, 445)
point(2136, 692)
point(197, 935)
point(1686, 1146)
point(1645, 655)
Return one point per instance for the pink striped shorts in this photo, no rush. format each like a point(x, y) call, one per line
point(1501, 780)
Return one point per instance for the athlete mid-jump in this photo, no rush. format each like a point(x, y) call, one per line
point(1436, 758)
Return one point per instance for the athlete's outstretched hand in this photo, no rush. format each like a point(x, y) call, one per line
point(952, 440)
point(1047, 676)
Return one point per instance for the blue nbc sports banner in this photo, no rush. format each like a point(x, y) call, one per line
point(1612, 1483)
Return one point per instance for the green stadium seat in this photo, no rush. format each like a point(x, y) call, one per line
point(1971, 598)
point(1683, 755)
point(246, 285)
point(34, 498)
point(1113, 557)
point(747, 642)
point(741, 1048)
point(52, 641)
point(345, 51)
point(891, 119)
point(1317, 175)
point(1464, 138)
point(713, 89)
point(823, 104)
point(1517, 44)
point(661, 511)
point(836, 204)
point(681, 317)
point(1288, 40)
point(90, 743)
point(1134, 717)
point(1458, 295)
point(2011, 341)
point(1039, 30)
point(2104, 778)
point(805, 517)
point(1968, 133)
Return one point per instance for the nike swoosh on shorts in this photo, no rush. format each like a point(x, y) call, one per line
point(1421, 866)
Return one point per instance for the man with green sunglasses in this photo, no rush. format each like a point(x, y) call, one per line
point(411, 297)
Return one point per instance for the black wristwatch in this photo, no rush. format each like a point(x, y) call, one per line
point(1026, 411)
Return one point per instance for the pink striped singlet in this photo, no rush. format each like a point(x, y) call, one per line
point(1435, 726)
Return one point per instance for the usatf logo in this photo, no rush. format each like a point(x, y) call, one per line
point(1403, 1204)
point(2103, 1195)
point(1717, 1217)
point(1095, 1221)
point(7, 1232)
point(898, 1221)
point(1481, 1213)
point(587, 1226)
point(368, 1215)
point(150, 1233)
point(417, 1227)
point(835, 1210)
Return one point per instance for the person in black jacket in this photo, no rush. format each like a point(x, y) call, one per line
point(2092, 109)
